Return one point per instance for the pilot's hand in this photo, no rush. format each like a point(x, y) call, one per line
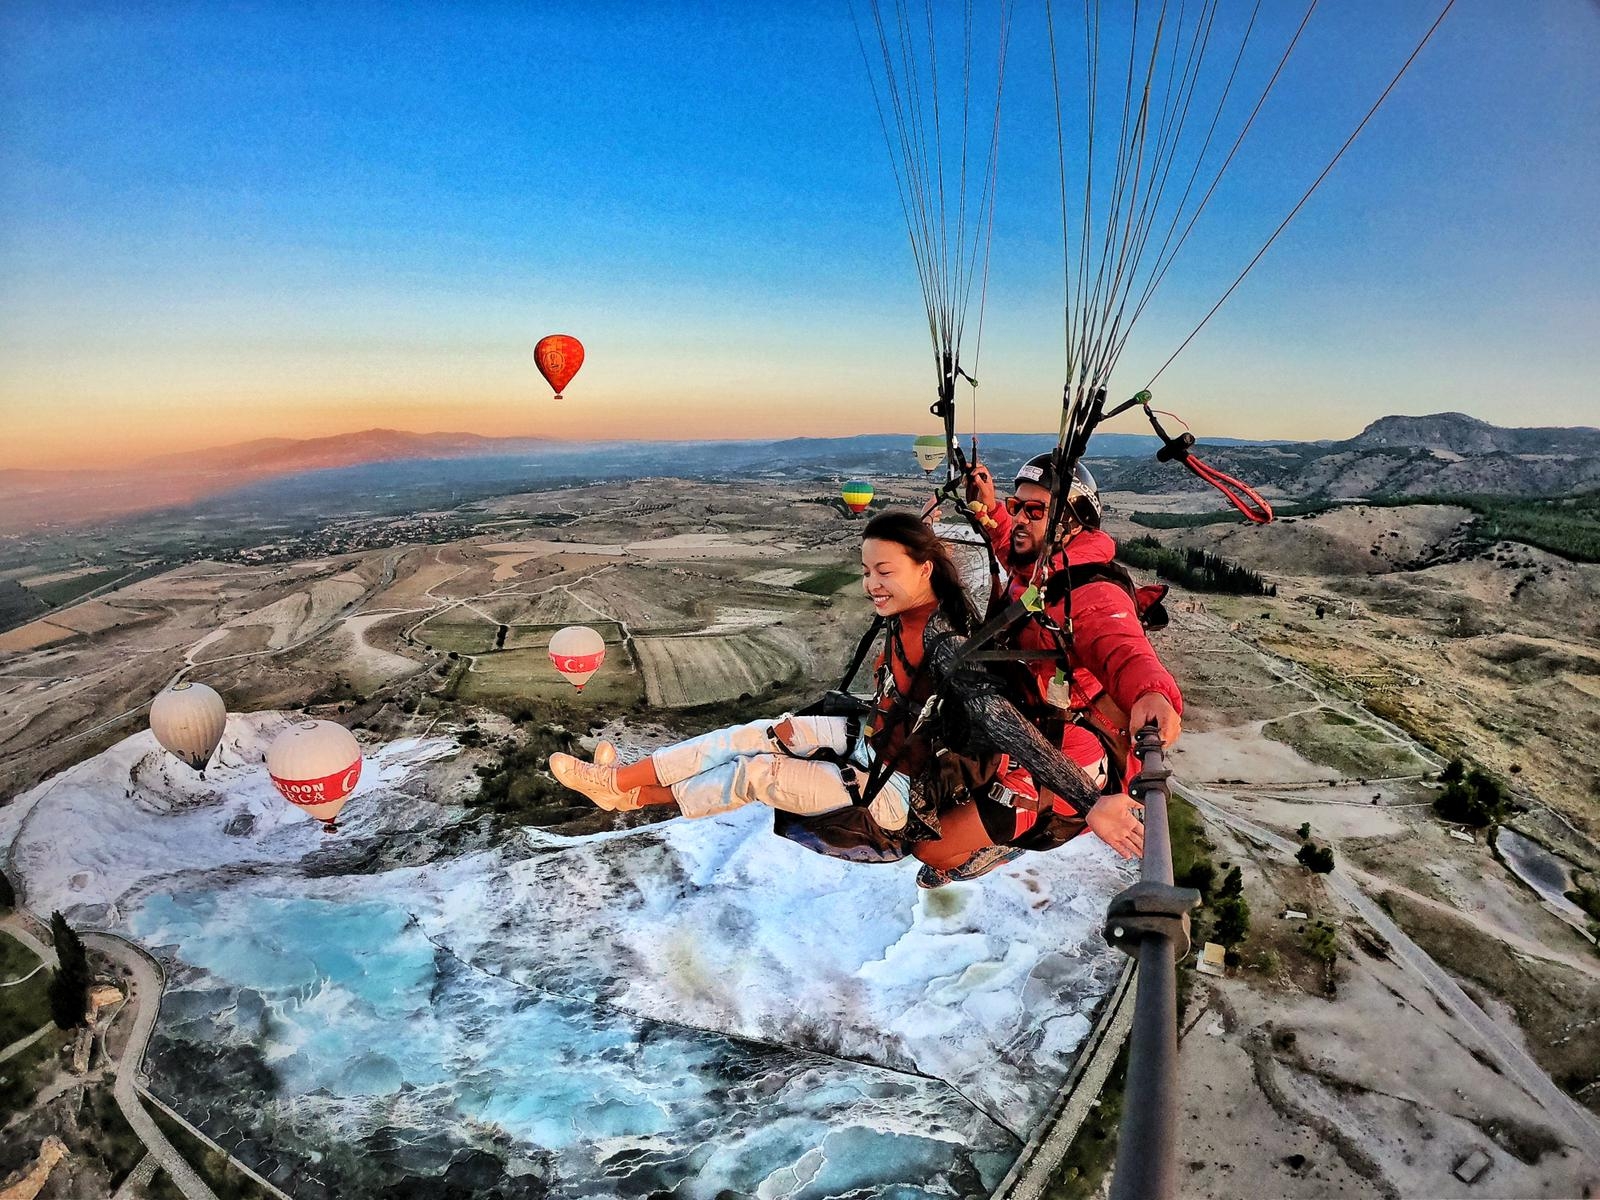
point(980, 486)
point(1153, 706)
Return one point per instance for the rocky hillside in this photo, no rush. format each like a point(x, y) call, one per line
point(1441, 454)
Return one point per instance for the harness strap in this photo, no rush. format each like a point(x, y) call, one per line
point(860, 655)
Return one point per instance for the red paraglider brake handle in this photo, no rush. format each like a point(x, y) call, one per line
point(1236, 492)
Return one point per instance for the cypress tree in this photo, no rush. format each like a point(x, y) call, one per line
point(69, 986)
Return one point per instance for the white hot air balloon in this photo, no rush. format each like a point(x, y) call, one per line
point(577, 652)
point(930, 451)
point(188, 719)
point(315, 765)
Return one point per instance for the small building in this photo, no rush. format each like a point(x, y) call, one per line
point(1471, 1168)
point(1292, 914)
point(1211, 961)
point(1461, 835)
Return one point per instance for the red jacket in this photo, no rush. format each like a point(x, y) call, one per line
point(1109, 649)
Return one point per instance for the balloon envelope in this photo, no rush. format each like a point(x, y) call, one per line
point(559, 357)
point(187, 720)
point(315, 766)
point(856, 494)
point(577, 652)
point(930, 451)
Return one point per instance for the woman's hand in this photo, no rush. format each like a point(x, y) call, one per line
point(1114, 821)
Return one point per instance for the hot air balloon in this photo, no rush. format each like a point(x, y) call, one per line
point(930, 451)
point(577, 652)
point(315, 765)
point(856, 494)
point(187, 720)
point(559, 358)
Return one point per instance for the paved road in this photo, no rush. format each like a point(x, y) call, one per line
point(1580, 1125)
point(145, 1001)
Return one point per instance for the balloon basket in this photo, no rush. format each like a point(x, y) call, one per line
point(329, 827)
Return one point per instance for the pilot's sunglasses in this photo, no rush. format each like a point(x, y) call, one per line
point(1034, 510)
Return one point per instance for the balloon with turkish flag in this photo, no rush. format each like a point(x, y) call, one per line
point(577, 652)
point(559, 356)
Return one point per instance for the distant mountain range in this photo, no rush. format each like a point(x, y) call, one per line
point(1444, 452)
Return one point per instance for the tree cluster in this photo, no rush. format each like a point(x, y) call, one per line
point(1231, 911)
point(1198, 570)
point(1315, 858)
point(1472, 797)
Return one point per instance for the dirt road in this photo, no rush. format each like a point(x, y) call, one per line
point(1578, 1123)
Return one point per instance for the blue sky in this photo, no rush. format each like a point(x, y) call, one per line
point(237, 220)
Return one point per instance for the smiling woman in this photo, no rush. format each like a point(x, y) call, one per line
point(871, 782)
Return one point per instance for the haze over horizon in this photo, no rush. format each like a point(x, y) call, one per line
point(260, 223)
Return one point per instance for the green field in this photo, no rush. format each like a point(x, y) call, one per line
point(25, 1007)
point(464, 637)
point(526, 674)
point(64, 591)
point(1350, 747)
point(537, 637)
point(23, 1075)
point(828, 580)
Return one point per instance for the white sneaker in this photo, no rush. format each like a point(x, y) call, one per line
point(598, 783)
point(605, 754)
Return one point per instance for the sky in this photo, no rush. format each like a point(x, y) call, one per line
point(224, 221)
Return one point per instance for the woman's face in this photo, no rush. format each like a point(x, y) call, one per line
point(893, 580)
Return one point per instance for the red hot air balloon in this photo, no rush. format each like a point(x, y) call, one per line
point(315, 766)
point(559, 358)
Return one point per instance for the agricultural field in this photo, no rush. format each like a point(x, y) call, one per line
point(685, 671)
point(461, 630)
point(526, 674)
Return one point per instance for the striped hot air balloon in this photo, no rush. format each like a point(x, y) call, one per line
point(930, 451)
point(856, 494)
point(577, 652)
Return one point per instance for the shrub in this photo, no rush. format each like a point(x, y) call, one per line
point(1200, 876)
point(1321, 942)
point(1305, 831)
point(1315, 858)
point(1233, 920)
point(1479, 799)
point(1232, 885)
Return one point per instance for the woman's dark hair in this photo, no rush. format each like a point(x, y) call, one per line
point(912, 533)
